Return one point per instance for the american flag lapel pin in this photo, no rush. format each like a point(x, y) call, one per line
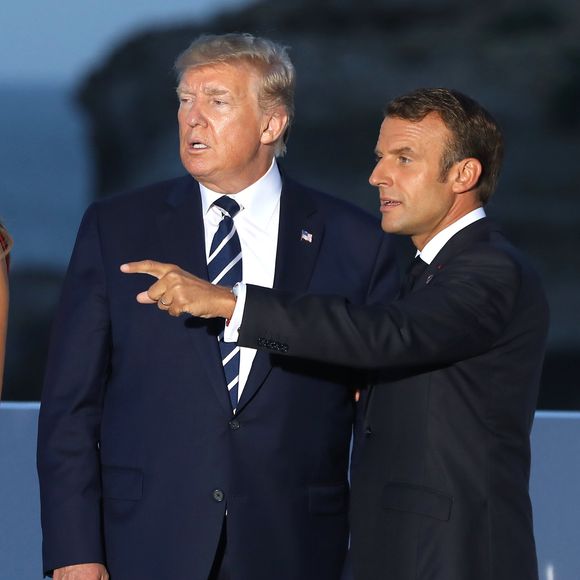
point(306, 236)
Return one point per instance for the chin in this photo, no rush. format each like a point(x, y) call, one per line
point(195, 170)
point(389, 227)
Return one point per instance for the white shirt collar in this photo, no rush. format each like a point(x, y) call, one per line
point(259, 199)
point(433, 246)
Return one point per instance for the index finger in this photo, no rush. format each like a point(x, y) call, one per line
point(156, 269)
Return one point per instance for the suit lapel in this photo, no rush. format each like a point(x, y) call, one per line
point(300, 235)
point(469, 235)
point(299, 239)
point(181, 228)
point(183, 242)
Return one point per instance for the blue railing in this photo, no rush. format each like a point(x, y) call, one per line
point(554, 489)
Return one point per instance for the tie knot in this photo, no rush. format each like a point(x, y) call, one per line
point(416, 267)
point(227, 204)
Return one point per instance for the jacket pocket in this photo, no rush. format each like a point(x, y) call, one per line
point(328, 499)
point(418, 500)
point(122, 482)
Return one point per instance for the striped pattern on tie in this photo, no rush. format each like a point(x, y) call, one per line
point(224, 266)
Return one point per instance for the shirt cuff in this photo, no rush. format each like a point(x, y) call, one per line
point(232, 329)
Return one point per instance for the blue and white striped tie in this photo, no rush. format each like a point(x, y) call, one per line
point(224, 266)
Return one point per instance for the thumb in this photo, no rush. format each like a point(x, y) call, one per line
point(143, 298)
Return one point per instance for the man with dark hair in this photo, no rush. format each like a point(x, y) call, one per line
point(440, 491)
point(473, 132)
point(164, 452)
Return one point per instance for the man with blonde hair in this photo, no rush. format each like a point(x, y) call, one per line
point(165, 452)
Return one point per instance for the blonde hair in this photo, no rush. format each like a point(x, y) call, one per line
point(271, 61)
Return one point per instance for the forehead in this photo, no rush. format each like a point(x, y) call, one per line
point(427, 134)
point(235, 77)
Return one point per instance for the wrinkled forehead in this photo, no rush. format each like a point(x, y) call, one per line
point(236, 79)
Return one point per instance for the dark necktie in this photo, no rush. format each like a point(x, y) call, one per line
point(415, 269)
point(224, 266)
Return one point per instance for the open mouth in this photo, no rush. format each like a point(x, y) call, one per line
point(197, 145)
point(389, 203)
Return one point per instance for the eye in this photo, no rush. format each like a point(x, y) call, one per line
point(403, 160)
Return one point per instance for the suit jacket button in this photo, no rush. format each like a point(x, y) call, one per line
point(234, 424)
point(368, 432)
point(218, 495)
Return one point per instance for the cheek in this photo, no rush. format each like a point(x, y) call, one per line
point(231, 130)
point(182, 125)
point(241, 140)
point(182, 114)
point(433, 205)
point(223, 131)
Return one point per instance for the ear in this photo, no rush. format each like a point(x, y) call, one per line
point(466, 174)
point(275, 123)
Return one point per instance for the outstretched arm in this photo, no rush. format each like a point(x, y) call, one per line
point(458, 315)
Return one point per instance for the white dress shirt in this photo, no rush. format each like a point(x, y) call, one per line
point(257, 226)
point(434, 246)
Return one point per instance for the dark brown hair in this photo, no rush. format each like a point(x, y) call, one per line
point(475, 133)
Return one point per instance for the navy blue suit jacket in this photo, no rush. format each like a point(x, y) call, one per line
point(139, 456)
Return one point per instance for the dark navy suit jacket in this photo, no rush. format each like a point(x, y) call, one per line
point(440, 491)
point(139, 455)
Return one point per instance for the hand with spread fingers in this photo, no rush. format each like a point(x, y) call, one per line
point(177, 291)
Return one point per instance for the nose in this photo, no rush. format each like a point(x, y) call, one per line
point(194, 115)
point(380, 175)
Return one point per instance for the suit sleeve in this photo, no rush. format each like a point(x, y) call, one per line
point(71, 409)
point(459, 314)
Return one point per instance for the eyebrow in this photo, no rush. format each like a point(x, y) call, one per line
point(397, 151)
point(211, 91)
point(401, 150)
